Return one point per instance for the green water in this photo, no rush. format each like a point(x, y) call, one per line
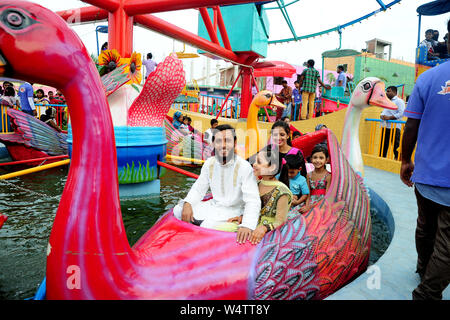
point(31, 201)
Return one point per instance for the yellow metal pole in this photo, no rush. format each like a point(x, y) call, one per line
point(169, 156)
point(34, 169)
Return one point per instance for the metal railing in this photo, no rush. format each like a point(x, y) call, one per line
point(210, 105)
point(383, 143)
point(61, 118)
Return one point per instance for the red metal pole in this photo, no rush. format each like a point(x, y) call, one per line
point(120, 33)
point(246, 91)
point(229, 93)
point(176, 169)
point(108, 5)
point(135, 7)
point(170, 30)
point(209, 26)
point(85, 14)
point(33, 160)
point(223, 30)
point(215, 18)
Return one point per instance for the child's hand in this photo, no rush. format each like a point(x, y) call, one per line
point(304, 209)
point(237, 219)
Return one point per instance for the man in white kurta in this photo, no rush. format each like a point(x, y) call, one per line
point(233, 187)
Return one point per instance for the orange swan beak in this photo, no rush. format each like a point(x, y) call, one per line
point(379, 98)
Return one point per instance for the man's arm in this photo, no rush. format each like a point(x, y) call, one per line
point(32, 106)
point(300, 81)
point(197, 192)
point(323, 85)
point(408, 143)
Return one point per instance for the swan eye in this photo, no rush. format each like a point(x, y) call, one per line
point(15, 19)
point(366, 86)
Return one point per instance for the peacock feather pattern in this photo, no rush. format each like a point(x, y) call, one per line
point(315, 254)
point(36, 134)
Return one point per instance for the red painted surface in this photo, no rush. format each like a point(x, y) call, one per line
point(84, 14)
point(246, 92)
point(177, 33)
point(88, 255)
point(332, 106)
point(122, 15)
point(274, 69)
point(34, 160)
point(135, 7)
point(21, 152)
point(209, 26)
point(3, 219)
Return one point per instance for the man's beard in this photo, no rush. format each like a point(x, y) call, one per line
point(226, 158)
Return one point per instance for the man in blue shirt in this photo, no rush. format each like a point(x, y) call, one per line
point(391, 93)
point(428, 113)
point(26, 99)
point(341, 80)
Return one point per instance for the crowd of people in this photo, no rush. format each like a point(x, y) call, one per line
point(304, 93)
point(26, 99)
point(257, 195)
point(183, 123)
point(435, 48)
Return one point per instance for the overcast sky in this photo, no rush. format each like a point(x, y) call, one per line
point(398, 25)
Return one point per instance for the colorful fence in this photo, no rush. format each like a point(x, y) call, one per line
point(61, 118)
point(384, 143)
point(210, 105)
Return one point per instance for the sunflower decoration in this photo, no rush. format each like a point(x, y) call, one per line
point(109, 60)
point(133, 67)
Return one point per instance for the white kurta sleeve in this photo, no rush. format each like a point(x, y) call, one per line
point(250, 196)
point(200, 186)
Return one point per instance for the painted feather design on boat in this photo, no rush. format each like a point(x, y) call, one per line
point(35, 134)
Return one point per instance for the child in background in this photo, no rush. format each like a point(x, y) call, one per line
point(296, 134)
point(297, 183)
point(40, 97)
point(318, 180)
point(184, 127)
point(191, 128)
point(177, 120)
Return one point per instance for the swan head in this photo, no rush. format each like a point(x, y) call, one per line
point(371, 92)
point(266, 98)
point(32, 39)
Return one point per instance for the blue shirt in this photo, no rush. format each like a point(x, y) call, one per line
point(437, 194)
point(297, 96)
point(298, 185)
point(341, 77)
point(430, 102)
point(25, 92)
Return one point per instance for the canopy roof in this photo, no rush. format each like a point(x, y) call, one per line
point(274, 69)
point(340, 53)
point(434, 8)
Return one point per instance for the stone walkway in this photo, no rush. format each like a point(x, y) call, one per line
point(396, 267)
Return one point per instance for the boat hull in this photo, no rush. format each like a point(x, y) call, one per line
point(309, 257)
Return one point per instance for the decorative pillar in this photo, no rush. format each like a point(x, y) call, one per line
point(120, 32)
point(246, 91)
